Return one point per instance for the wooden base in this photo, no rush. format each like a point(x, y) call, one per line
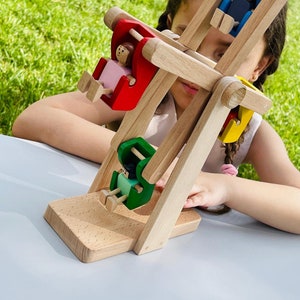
point(93, 233)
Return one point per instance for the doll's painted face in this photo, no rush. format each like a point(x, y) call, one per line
point(124, 53)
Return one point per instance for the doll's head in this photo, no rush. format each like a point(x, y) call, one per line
point(124, 54)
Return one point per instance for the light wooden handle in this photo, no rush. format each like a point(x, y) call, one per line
point(113, 15)
point(234, 91)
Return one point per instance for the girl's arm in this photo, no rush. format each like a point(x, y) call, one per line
point(269, 157)
point(273, 204)
point(275, 200)
point(69, 122)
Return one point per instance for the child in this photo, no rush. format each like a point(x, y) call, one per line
point(63, 120)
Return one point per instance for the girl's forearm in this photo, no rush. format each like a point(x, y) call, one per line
point(65, 131)
point(273, 204)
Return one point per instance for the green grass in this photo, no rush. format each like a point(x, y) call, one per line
point(45, 46)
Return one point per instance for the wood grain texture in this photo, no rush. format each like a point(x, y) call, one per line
point(93, 233)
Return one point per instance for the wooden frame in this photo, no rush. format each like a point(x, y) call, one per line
point(82, 222)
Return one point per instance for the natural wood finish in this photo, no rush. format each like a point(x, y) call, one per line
point(251, 32)
point(101, 181)
point(205, 133)
point(265, 17)
point(93, 233)
point(96, 90)
point(84, 82)
point(170, 59)
point(182, 130)
point(143, 113)
point(115, 14)
point(261, 105)
point(222, 21)
point(145, 109)
point(196, 30)
point(84, 224)
point(113, 201)
point(256, 101)
point(233, 93)
point(217, 17)
point(227, 24)
point(180, 183)
point(176, 139)
point(128, 129)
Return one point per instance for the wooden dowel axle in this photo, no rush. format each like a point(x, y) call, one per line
point(137, 153)
point(135, 34)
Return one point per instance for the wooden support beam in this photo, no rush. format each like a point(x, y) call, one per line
point(157, 229)
point(171, 201)
point(247, 38)
point(177, 137)
point(199, 25)
point(168, 58)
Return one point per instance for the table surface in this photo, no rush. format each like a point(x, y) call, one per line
point(227, 257)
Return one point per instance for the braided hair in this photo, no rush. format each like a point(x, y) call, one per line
point(275, 39)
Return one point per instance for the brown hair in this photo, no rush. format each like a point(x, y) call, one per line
point(171, 10)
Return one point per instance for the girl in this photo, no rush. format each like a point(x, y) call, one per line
point(63, 120)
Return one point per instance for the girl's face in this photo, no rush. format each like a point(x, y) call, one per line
point(213, 47)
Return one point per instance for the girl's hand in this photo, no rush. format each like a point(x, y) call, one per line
point(209, 190)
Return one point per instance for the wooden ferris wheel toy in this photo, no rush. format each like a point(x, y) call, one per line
point(122, 211)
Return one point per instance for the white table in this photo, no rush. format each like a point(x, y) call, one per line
point(228, 257)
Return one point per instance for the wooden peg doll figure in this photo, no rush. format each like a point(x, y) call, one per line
point(111, 74)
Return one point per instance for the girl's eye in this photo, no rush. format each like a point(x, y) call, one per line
point(218, 53)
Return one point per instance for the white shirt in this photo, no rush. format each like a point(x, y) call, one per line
point(165, 119)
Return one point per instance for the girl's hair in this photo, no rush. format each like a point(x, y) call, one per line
point(171, 10)
point(275, 39)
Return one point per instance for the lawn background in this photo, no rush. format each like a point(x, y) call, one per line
point(45, 46)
